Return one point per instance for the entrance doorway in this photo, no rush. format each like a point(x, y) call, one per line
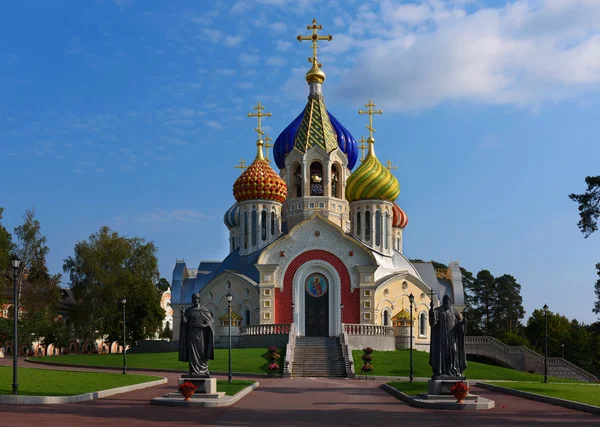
point(316, 306)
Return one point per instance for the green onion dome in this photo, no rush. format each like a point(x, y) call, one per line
point(372, 180)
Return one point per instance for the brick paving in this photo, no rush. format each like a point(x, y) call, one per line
point(290, 402)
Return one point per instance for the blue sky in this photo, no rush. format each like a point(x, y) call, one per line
point(133, 113)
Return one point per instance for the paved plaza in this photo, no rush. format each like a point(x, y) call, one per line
point(290, 402)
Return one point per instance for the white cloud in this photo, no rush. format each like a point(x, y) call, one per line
point(240, 7)
point(248, 58)
point(278, 27)
point(338, 21)
point(282, 46)
point(173, 215)
point(124, 2)
point(245, 85)
point(213, 124)
point(275, 61)
point(525, 53)
point(226, 72)
point(231, 41)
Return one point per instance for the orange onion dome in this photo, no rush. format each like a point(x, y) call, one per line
point(260, 181)
point(400, 219)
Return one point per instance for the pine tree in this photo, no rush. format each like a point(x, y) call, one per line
point(483, 299)
point(508, 307)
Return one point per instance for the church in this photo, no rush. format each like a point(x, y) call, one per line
point(316, 248)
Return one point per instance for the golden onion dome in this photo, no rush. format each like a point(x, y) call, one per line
point(403, 315)
point(372, 181)
point(315, 74)
point(260, 181)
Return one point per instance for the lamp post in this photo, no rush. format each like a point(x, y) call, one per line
point(411, 299)
point(341, 315)
point(562, 347)
point(16, 262)
point(546, 344)
point(229, 298)
point(293, 312)
point(124, 301)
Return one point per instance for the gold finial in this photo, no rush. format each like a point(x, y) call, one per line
point(362, 147)
point(389, 165)
point(370, 112)
point(259, 142)
point(241, 165)
point(314, 73)
point(267, 146)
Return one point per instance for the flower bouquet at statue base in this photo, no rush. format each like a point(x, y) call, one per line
point(187, 390)
point(459, 390)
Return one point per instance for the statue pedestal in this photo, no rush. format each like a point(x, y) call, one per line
point(442, 385)
point(205, 385)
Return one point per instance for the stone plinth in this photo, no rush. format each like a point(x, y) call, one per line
point(442, 385)
point(205, 385)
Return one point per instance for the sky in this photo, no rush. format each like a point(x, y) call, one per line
point(132, 114)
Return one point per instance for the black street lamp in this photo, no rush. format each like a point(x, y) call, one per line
point(124, 301)
point(562, 347)
point(16, 262)
point(229, 298)
point(342, 313)
point(546, 345)
point(411, 299)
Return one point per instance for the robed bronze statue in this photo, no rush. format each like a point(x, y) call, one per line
point(196, 338)
point(447, 346)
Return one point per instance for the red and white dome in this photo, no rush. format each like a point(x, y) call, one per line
point(400, 219)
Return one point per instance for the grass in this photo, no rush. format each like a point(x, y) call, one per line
point(411, 389)
point(581, 392)
point(246, 360)
point(45, 382)
point(234, 387)
point(396, 364)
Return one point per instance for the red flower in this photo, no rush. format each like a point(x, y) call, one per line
point(187, 386)
point(459, 387)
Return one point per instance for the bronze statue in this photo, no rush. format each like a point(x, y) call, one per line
point(196, 338)
point(447, 346)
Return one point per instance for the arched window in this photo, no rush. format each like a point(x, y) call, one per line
point(335, 181)
point(316, 179)
point(423, 324)
point(263, 225)
point(358, 230)
point(386, 318)
point(254, 227)
point(377, 228)
point(246, 231)
point(272, 223)
point(247, 317)
point(367, 226)
point(298, 180)
point(386, 238)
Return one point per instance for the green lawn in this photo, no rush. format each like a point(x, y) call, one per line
point(45, 382)
point(248, 360)
point(581, 392)
point(411, 389)
point(396, 363)
point(233, 388)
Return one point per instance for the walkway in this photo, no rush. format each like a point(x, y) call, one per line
point(291, 402)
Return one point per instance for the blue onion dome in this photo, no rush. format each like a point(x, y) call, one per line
point(231, 217)
point(284, 143)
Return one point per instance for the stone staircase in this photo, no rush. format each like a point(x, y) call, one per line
point(318, 357)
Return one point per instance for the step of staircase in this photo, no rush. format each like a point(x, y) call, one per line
point(318, 357)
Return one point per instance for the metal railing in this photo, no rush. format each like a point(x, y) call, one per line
point(289, 351)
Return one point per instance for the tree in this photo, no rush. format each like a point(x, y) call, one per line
point(589, 212)
point(483, 300)
point(6, 250)
point(105, 269)
point(167, 333)
point(163, 285)
point(508, 308)
point(589, 206)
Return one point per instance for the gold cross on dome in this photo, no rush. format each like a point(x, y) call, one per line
point(314, 37)
point(362, 147)
point(389, 165)
point(259, 114)
point(267, 146)
point(241, 165)
point(370, 112)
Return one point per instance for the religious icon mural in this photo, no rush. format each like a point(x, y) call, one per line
point(316, 285)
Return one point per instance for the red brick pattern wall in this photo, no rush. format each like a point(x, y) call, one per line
point(283, 299)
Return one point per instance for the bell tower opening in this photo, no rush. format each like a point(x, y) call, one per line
point(316, 179)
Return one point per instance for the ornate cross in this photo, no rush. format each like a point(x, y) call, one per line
point(362, 147)
point(267, 146)
point(389, 165)
point(242, 165)
point(259, 114)
point(370, 112)
point(314, 37)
